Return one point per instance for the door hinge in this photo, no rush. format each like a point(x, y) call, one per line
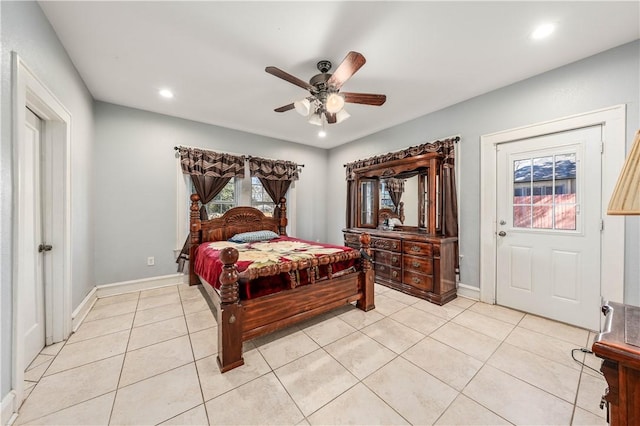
point(602, 224)
point(44, 247)
point(602, 147)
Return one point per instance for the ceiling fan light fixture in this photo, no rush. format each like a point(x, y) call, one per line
point(303, 107)
point(342, 115)
point(322, 133)
point(335, 103)
point(315, 119)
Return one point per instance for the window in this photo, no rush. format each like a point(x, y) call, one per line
point(260, 199)
point(225, 200)
point(234, 194)
point(544, 192)
point(385, 198)
point(240, 193)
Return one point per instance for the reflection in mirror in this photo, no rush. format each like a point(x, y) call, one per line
point(367, 203)
point(409, 198)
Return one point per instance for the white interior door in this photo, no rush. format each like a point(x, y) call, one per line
point(549, 226)
point(32, 295)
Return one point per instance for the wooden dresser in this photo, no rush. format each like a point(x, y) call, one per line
point(415, 263)
point(619, 347)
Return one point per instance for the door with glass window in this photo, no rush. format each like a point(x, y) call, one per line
point(549, 225)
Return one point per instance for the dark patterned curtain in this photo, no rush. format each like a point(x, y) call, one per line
point(201, 162)
point(450, 198)
point(276, 177)
point(395, 188)
point(210, 172)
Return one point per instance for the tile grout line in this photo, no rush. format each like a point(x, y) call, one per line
point(124, 358)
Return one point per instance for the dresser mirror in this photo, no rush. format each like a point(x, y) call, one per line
point(419, 203)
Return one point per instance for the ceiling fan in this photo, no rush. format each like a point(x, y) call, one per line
point(326, 102)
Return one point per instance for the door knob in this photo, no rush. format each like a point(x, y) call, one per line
point(502, 233)
point(44, 247)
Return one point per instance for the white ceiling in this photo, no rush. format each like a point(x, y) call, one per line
point(424, 56)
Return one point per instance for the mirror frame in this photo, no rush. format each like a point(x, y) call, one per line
point(427, 166)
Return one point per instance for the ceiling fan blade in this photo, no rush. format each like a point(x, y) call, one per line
point(288, 77)
point(331, 117)
point(364, 98)
point(285, 108)
point(351, 63)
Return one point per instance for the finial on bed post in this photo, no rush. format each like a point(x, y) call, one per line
point(366, 303)
point(194, 236)
point(229, 314)
point(282, 220)
point(229, 275)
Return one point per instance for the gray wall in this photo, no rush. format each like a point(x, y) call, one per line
point(603, 80)
point(135, 186)
point(26, 31)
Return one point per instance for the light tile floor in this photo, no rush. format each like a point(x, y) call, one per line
point(149, 358)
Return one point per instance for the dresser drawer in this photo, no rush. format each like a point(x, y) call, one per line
point(352, 240)
point(421, 281)
point(423, 265)
point(418, 249)
point(385, 244)
point(387, 258)
point(386, 271)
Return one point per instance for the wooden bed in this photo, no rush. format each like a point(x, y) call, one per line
point(241, 320)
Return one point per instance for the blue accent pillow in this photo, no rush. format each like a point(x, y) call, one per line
point(251, 237)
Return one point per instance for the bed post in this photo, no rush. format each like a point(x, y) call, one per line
point(229, 314)
point(194, 234)
point(366, 277)
point(282, 220)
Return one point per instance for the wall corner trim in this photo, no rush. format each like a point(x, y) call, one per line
point(9, 411)
point(468, 291)
point(83, 309)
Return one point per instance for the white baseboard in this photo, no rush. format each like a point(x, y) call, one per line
point(8, 408)
point(468, 291)
point(138, 285)
point(83, 309)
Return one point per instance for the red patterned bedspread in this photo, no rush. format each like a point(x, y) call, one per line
point(258, 254)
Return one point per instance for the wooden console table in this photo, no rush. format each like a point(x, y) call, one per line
point(619, 347)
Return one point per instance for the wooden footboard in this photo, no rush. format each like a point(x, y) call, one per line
point(239, 321)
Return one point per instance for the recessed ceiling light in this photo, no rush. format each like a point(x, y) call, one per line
point(543, 31)
point(322, 133)
point(166, 93)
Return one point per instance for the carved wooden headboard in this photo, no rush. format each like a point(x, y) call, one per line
point(235, 221)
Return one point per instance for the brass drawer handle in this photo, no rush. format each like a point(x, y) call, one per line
point(381, 268)
point(395, 274)
point(416, 280)
point(415, 264)
point(415, 248)
point(394, 259)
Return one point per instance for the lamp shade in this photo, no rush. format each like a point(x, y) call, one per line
point(302, 107)
point(342, 115)
point(334, 103)
point(315, 119)
point(626, 195)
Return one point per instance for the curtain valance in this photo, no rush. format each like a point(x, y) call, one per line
point(444, 147)
point(273, 169)
point(200, 162)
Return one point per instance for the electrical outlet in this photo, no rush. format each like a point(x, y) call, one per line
point(151, 261)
